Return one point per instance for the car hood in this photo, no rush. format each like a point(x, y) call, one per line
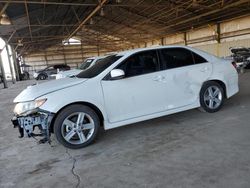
point(70, 72)
point(38, 90)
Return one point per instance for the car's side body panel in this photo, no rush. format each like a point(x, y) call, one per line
point(224, 71)
point(125, 100)
point(109, 125)
point(76, 94)
point(147, 96)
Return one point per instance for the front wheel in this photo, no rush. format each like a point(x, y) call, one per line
point(76, 126)
point(42, 77)
point(211, 97)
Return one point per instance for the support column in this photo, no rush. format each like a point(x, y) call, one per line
point(5, 85)
point(64, 58)
point(82, 50)
point(46, 60)
point(16, 65)
point(162, 41)
point(185, 38)
point(11, 67)
point(218, 36)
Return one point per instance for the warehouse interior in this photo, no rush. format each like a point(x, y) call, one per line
point(212, 152)
point(40, 31)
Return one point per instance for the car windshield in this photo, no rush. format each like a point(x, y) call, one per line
point(49, 67)
point(86, 64)
point(98, 67)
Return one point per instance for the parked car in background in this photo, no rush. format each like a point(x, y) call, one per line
point(241, 57)
point(125, 88)
point(50, 70)
point(86, 64)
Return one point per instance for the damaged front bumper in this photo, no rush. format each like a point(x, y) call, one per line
point(27, 125)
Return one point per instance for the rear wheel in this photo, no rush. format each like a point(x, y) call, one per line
point(76, 126)
point(211, 97)
point(42, 77)
point(248, 66)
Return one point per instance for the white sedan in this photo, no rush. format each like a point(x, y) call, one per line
point(86, 64)
point(125, 88)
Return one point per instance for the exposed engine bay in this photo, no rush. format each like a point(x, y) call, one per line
point(34, 125)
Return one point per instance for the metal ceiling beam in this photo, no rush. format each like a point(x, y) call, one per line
point(78, 4)
point(4, 8)
point(28, 18)
point(192, 18)
point(97, 8)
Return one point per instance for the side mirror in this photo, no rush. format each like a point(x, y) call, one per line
point(117, 74)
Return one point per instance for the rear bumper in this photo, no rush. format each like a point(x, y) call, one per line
point(232, 85)
point(27, 125)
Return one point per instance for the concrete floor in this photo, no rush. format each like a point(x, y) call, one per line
point(188, 149)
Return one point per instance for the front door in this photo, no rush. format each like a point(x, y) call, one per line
point(139, 93)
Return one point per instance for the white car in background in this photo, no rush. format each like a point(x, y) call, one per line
point(125, 88)
point(86, 64)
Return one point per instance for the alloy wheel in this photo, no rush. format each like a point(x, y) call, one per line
point(77, 128)
point(213, 97)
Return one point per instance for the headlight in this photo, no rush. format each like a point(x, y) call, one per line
point(25, 108)
point(59, 76)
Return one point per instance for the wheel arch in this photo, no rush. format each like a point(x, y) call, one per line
point(92, 106)
point(221, 83)
point(42, 73)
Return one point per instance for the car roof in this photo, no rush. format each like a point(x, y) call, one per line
point(128, 52)
point(96, 57)
point(204, 54)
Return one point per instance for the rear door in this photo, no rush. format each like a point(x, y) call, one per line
point(185, 72)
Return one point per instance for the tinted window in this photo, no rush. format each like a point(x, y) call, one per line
point(86, 64)
point(140, 63)
point(60, 66)
point(49, 67)
point(98, 67)
point(198, 59)
point(176, 57)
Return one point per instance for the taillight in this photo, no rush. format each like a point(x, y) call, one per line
point(234, 64)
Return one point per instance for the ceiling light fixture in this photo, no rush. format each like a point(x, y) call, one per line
point(4, 20)
point(19, 42)
point(102, 12)
point(91, 22)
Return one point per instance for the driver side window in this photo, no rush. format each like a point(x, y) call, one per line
point(140, 63)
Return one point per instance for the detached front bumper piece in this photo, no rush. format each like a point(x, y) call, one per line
point(27, 125)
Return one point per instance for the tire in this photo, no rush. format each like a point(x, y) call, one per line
point(212, 97)
point(72, 136)
point(41, 77)
point(248, 66)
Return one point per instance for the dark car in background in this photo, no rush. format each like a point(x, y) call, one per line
point(49, 71)
point(1, 78)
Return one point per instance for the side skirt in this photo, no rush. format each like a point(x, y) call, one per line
point(108, 125)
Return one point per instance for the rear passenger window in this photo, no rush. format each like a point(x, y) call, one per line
point(198, 59)
point(176, 57)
